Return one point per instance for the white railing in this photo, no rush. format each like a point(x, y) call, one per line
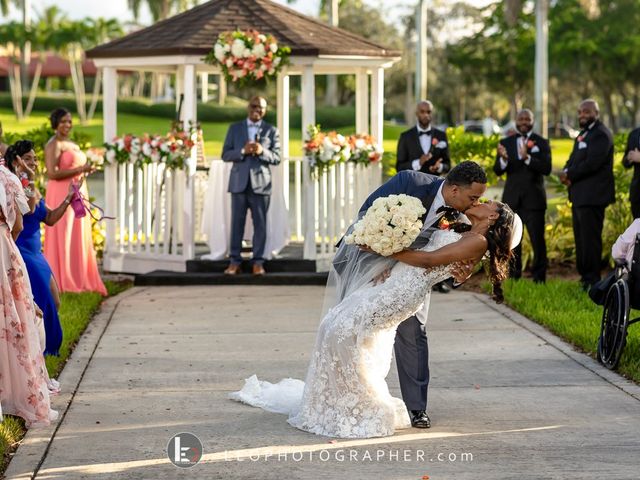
point(150, 206)
point(331, 202)
point(159, 211)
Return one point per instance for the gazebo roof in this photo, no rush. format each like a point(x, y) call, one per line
point(194, 32)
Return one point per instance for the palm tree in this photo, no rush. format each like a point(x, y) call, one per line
point(71, 39)
point(160, 9)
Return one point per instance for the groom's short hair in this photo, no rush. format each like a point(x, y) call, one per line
point(466, 173)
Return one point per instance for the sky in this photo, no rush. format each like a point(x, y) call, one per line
point(118, 8)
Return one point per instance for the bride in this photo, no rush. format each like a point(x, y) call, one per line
point(345, 394)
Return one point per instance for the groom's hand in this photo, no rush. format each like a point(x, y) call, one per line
point(461, 271)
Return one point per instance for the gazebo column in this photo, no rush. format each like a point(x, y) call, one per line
point(377, 103)
point(283, 127)
point(362, 101)
point(110, 129)
point(222, 89)
point(377, 112)
point(189, 116)
point(204, 85)
point(310, 190)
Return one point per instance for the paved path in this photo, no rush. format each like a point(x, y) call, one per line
point(508, 400)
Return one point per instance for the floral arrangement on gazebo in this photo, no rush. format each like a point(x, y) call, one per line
point(325, 149)
point(247, 57)
point(173, 149)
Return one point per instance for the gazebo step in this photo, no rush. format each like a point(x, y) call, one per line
point(271, 266)
point(165, 278)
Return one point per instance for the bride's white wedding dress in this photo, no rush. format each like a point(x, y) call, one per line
point(345, 394)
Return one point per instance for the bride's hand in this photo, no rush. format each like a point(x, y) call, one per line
point(461, 271)
point(367, 248)
point(381, 278)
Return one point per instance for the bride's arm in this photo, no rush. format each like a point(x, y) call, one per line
point(470, 247)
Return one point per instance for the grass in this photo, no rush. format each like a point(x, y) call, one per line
point(563, 308)
point(76, 311)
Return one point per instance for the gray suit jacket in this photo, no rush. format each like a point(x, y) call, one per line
point(251, 168)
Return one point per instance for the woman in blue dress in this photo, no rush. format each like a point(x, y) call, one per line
point(43, 285)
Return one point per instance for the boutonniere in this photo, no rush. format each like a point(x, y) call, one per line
point(531, 144)
point(580, 138)
point(444, 224)
point(434, 141)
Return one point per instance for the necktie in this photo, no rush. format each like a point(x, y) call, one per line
point(447, 210)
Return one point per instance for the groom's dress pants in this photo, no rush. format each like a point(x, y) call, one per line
point(412, 358)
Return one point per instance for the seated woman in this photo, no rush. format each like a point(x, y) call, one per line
point(623, 248)
point(43, 285)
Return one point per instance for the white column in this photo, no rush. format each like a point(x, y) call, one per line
point(283, 128)
point(377, 103)
point(189, 115)
point(542, 66)
point(204, 86)
point(308, 118)
point(362, 101)
point(110, 128)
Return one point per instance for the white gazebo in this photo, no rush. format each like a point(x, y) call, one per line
point(157, 211)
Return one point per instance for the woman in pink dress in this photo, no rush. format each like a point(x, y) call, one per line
point(68, 246)
point(24, 382)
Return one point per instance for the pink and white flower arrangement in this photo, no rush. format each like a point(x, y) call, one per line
point(325, 149)
point(173, 149)
point(248, 56)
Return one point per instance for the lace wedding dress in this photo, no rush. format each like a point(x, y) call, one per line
point(345, 394)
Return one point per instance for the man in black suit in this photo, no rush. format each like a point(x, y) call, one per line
point(589, 176)
point(424, 149)
point(632, 159)
point(526, 158)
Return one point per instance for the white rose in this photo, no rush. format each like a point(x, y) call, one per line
point(146, 149)
point(111, 156)
point(258, 50)
point(262, 38)
point(349, 239)
point(237, 48)
point(229, 63)
point(273, 47)
point(218, 52)
point(227, 47)
point(277, 61)
point(246, 53)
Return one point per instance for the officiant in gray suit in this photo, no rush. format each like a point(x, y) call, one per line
point(252, 145)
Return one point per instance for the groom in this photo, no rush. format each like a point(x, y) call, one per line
point(460, 190)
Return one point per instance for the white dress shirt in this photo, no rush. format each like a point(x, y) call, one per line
point(425, 143)
point(623, 248)
point(253, 129)
point(521, 140)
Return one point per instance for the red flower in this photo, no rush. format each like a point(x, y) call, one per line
point(434, 141)
point(444, 224)
point(580, 138)
point(530, 144)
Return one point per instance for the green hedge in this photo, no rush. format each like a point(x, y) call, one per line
point(327, 117)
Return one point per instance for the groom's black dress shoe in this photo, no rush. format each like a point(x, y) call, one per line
point(420, 419)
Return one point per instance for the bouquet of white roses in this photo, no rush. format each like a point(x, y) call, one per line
point(390, 225)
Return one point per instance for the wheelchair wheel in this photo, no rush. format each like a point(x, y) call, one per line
point(615, 319)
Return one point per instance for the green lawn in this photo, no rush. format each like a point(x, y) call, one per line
point(563, 308)
point(76, 311)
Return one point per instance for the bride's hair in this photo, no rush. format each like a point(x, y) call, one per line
point(499, 240)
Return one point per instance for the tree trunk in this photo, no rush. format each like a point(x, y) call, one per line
point(96, 94)
point(34, 89)
point(409, 105)
point(608, 100)
point(16, 90)
point(78, 88)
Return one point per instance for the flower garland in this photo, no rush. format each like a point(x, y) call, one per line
point(173, 149)
point(325, 149)
point(247, 57)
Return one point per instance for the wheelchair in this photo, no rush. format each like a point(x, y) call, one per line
point(623, 295)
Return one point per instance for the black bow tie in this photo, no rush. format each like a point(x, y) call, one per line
point(424, 132)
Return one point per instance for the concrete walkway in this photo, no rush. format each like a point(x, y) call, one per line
point(508, 400)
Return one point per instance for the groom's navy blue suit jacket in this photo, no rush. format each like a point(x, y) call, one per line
point(410, 182)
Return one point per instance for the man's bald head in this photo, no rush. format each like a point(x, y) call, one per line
point(424, 110)
point(524, 121)
point(257, 108)
point(588, 112)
